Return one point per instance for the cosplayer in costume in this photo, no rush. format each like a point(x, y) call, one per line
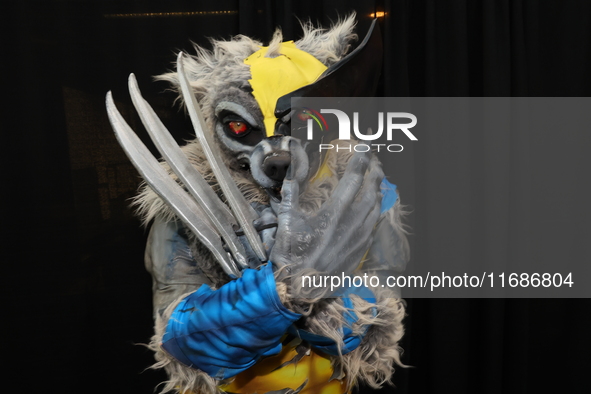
point(241, 212)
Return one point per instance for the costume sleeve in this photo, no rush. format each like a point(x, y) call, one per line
point(223, 332)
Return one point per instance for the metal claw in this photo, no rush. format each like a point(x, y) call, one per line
point(240, 207)
point(170, 191)
point(217, 212)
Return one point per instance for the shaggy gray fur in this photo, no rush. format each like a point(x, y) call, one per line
point(373, 361)
point(328, 45)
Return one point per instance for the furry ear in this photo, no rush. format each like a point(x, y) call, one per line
point(328, 45)
point(275, 44)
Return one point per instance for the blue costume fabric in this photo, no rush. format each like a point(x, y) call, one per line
point(389, 195)
point(226, 331)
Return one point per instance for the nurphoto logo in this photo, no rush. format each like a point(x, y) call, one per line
point(392, 122)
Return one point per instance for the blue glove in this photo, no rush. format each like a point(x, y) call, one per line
point(226, 331)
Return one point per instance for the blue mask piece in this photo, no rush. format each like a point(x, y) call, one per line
point(389, 195)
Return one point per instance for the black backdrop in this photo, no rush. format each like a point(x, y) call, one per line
point(76, 299)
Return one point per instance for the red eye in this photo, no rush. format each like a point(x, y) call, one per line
point(238, 128)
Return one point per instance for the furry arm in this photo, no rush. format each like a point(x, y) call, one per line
point(351, 338)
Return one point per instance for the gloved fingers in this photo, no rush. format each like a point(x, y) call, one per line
point(372, 218)
point(370, 195)
point(286, 210)
point(349, 185)
point(299, 163)
point(361, 228)
point(290, 197)
point(294, 181)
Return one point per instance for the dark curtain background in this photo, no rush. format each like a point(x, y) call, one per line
point(76, 298)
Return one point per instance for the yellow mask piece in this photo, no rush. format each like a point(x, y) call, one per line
point(275, 77)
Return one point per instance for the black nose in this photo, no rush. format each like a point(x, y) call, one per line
point(275, 165)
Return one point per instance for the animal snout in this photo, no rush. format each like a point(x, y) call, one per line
point(275, 166)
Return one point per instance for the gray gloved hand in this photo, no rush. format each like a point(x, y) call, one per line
point(335, 238)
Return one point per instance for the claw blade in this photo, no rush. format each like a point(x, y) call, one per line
point(158, 179)
point(217, 212)
point(240, 207)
